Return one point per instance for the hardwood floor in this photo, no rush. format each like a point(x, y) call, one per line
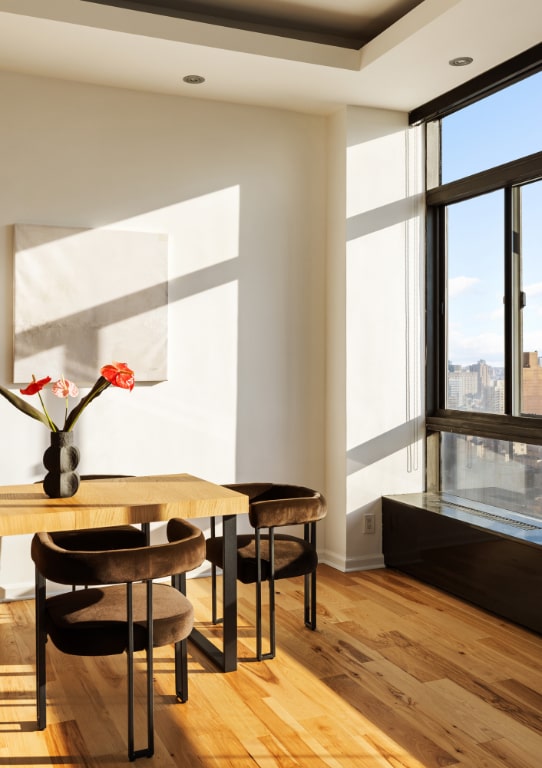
point(398, 675)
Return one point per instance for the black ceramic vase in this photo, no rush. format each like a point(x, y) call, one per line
point(61, 460)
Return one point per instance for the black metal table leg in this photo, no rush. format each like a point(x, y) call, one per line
point(229, 597)
point(226, 658)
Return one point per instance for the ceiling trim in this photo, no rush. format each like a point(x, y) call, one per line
point(250, 22)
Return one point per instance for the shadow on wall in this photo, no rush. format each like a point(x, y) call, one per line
point(383, 445)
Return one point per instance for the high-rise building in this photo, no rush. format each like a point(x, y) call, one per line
point(531, 389)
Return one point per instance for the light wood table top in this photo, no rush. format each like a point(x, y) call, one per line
point(115, 501)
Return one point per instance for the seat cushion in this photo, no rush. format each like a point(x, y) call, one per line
point(92, 622)
point(293, 557)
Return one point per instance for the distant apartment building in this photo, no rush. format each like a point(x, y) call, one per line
point(462, 388)
point(480, 387)
point(531, 389)
point(494, 396)
point(476, 387)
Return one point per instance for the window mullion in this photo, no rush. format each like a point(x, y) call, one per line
point(512, 302)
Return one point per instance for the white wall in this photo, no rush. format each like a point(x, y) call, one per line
point(295, 293)
point(241, 192)
point(336, 342)
point(375, 326)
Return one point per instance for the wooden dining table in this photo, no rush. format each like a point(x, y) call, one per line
point(139, 500)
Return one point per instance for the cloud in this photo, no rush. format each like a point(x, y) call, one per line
point(531, 341)
point(498, 313)
point(458, 285)
point(466, 350)
point(535, 289)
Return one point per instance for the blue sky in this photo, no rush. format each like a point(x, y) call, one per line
point(502, 127)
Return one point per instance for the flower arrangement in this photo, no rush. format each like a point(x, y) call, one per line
point(116, 374)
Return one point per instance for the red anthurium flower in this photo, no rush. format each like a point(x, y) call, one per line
point(35, 386)
point(119, 375)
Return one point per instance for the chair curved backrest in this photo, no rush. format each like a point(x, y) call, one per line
point(184, 551)
point(274, 556)
point(273, 504)
point(106, 537)
point(117, 613)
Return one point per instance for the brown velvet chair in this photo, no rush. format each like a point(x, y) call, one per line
point(270, 557)
point(123, 616)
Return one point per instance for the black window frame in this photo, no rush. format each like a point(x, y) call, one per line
point(507, 177)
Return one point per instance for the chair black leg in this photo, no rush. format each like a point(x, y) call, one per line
point(133, 753)
point(258, 597)
point(214, 612)
point(306, 600)
point(214, 617)
point(310, 600)
point(310, 582)
point(181, 649)
point(146, 528)
point(41, 639)
point(178, 581)
point(259, 652)
point(150, 675)
point(272, 643)
point(181, 670)
point(259, 655)
point(130, 660)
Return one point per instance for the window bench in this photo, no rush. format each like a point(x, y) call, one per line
point(489, 556)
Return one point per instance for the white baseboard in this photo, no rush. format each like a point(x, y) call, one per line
point(365, 563)
point(360, 563)
point(23, 590)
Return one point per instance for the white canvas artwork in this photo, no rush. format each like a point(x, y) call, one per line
point(87, 297)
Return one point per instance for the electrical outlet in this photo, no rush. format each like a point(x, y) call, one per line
point(369, 523)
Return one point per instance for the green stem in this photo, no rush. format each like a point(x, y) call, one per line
point(52, 424)
point(96, 390)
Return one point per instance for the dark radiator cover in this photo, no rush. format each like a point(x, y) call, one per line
point(499, 573)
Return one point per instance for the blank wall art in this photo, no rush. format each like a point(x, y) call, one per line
point(87, 297)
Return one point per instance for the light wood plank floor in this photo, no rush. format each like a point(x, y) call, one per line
point(398, 675)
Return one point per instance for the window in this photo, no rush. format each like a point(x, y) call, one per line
point(531, 314)
point(484, 297)
point(474, 302)
point(502, 127)
point(503, 473)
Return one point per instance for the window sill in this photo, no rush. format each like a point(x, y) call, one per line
point(501, 522)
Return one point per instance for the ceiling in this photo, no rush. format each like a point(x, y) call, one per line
point(345, 23)
point(307, 55)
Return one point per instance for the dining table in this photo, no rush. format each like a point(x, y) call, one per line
point(141, 500)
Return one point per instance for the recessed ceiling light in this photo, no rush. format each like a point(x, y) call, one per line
point(193, 79)
point(460, 61)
